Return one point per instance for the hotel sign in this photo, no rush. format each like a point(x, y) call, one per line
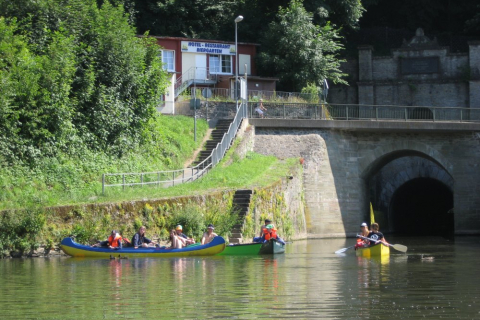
point(208, 47)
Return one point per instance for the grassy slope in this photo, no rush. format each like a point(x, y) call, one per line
point(65, 180)
point(68, 180)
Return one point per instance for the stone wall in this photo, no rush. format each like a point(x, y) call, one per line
point(338, 165)
point(420, 73)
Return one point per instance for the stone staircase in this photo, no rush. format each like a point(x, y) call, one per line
point(241, 202)
point(216, 137)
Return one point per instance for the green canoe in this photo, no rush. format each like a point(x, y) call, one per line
point(241, 249)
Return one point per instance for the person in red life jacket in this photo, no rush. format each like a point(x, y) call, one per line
point(364, 233)
point(261, 238)
point(114, 241)
point(270, 232)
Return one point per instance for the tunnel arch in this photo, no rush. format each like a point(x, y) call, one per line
point(427, 169)
point(374, 160)
point(393, 169)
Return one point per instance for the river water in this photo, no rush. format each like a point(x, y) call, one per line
point(309, 281)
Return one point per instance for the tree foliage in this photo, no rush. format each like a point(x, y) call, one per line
point(206, 19)
point(74, 75)
point(434, 16)
point(299, 52)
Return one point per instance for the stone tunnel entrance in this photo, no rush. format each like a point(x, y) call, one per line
point(412, 195)
point(422, 206)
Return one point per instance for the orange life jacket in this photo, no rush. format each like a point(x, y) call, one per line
point(126, 242)
point(270, 233)
point(113, 242)
point(359, 244)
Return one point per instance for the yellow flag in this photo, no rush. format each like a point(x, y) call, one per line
point(372, 215)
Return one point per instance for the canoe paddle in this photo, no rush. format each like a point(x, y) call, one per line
point(399, 247)
point(344, 249)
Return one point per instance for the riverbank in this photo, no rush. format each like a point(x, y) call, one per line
point(277, 194)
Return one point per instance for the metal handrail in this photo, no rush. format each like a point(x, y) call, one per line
point(173, 177)
point(190, 76)
point(354, 112)
point(279, 96)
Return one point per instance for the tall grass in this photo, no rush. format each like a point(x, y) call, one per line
point(231, 173)
point(68, 179)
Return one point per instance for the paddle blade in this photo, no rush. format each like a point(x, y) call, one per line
point(399, 247)
point(343, 250)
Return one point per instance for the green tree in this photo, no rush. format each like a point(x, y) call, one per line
point(299, 52)
point(213, 19)
point(72, 81)
point(473, 25)
point(343, 13)
point(206, 19)
point(35, 93)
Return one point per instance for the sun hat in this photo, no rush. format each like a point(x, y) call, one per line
point(363, 225)
point(270, 226)
point(179, 227)
point(210, 226)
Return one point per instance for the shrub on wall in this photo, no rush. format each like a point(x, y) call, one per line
point(20, 231)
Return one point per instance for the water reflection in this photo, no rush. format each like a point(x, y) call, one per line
point(309, 281)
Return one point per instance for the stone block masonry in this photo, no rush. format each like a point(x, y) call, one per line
point(339, 163)
point(420, 73)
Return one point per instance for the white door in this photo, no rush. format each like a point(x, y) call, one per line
point(200, 66)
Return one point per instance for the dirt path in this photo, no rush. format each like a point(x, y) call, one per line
point(200, 148)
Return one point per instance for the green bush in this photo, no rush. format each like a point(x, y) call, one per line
point(189, 217)
point(20, 230)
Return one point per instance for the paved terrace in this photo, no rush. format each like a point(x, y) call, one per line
point(367, 125)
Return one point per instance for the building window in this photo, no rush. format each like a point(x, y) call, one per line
point(168, 60)
point(220, 64)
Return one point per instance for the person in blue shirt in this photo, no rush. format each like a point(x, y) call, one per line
point(140, 241)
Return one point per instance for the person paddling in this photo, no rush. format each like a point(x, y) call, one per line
point(376, 235)
point(364, 233)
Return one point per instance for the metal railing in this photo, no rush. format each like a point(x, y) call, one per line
point(175, 177)
point(196, 75)
point(366, 112)
point(274, 96)
point(291, 111)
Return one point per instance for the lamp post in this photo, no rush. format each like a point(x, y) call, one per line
point(237, 20)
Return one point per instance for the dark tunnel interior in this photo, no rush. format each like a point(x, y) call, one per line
point(422, 207)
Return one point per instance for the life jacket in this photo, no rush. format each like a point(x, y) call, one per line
point(113, 242)
point(126, 242)
point(359, 244)
point(270, 233)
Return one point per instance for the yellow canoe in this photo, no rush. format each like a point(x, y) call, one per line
point(74, 249)
point(378, 250)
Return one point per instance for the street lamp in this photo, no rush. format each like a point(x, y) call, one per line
point(237, 20)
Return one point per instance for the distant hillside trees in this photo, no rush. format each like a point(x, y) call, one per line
point(299, 52)
point(318, 26)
